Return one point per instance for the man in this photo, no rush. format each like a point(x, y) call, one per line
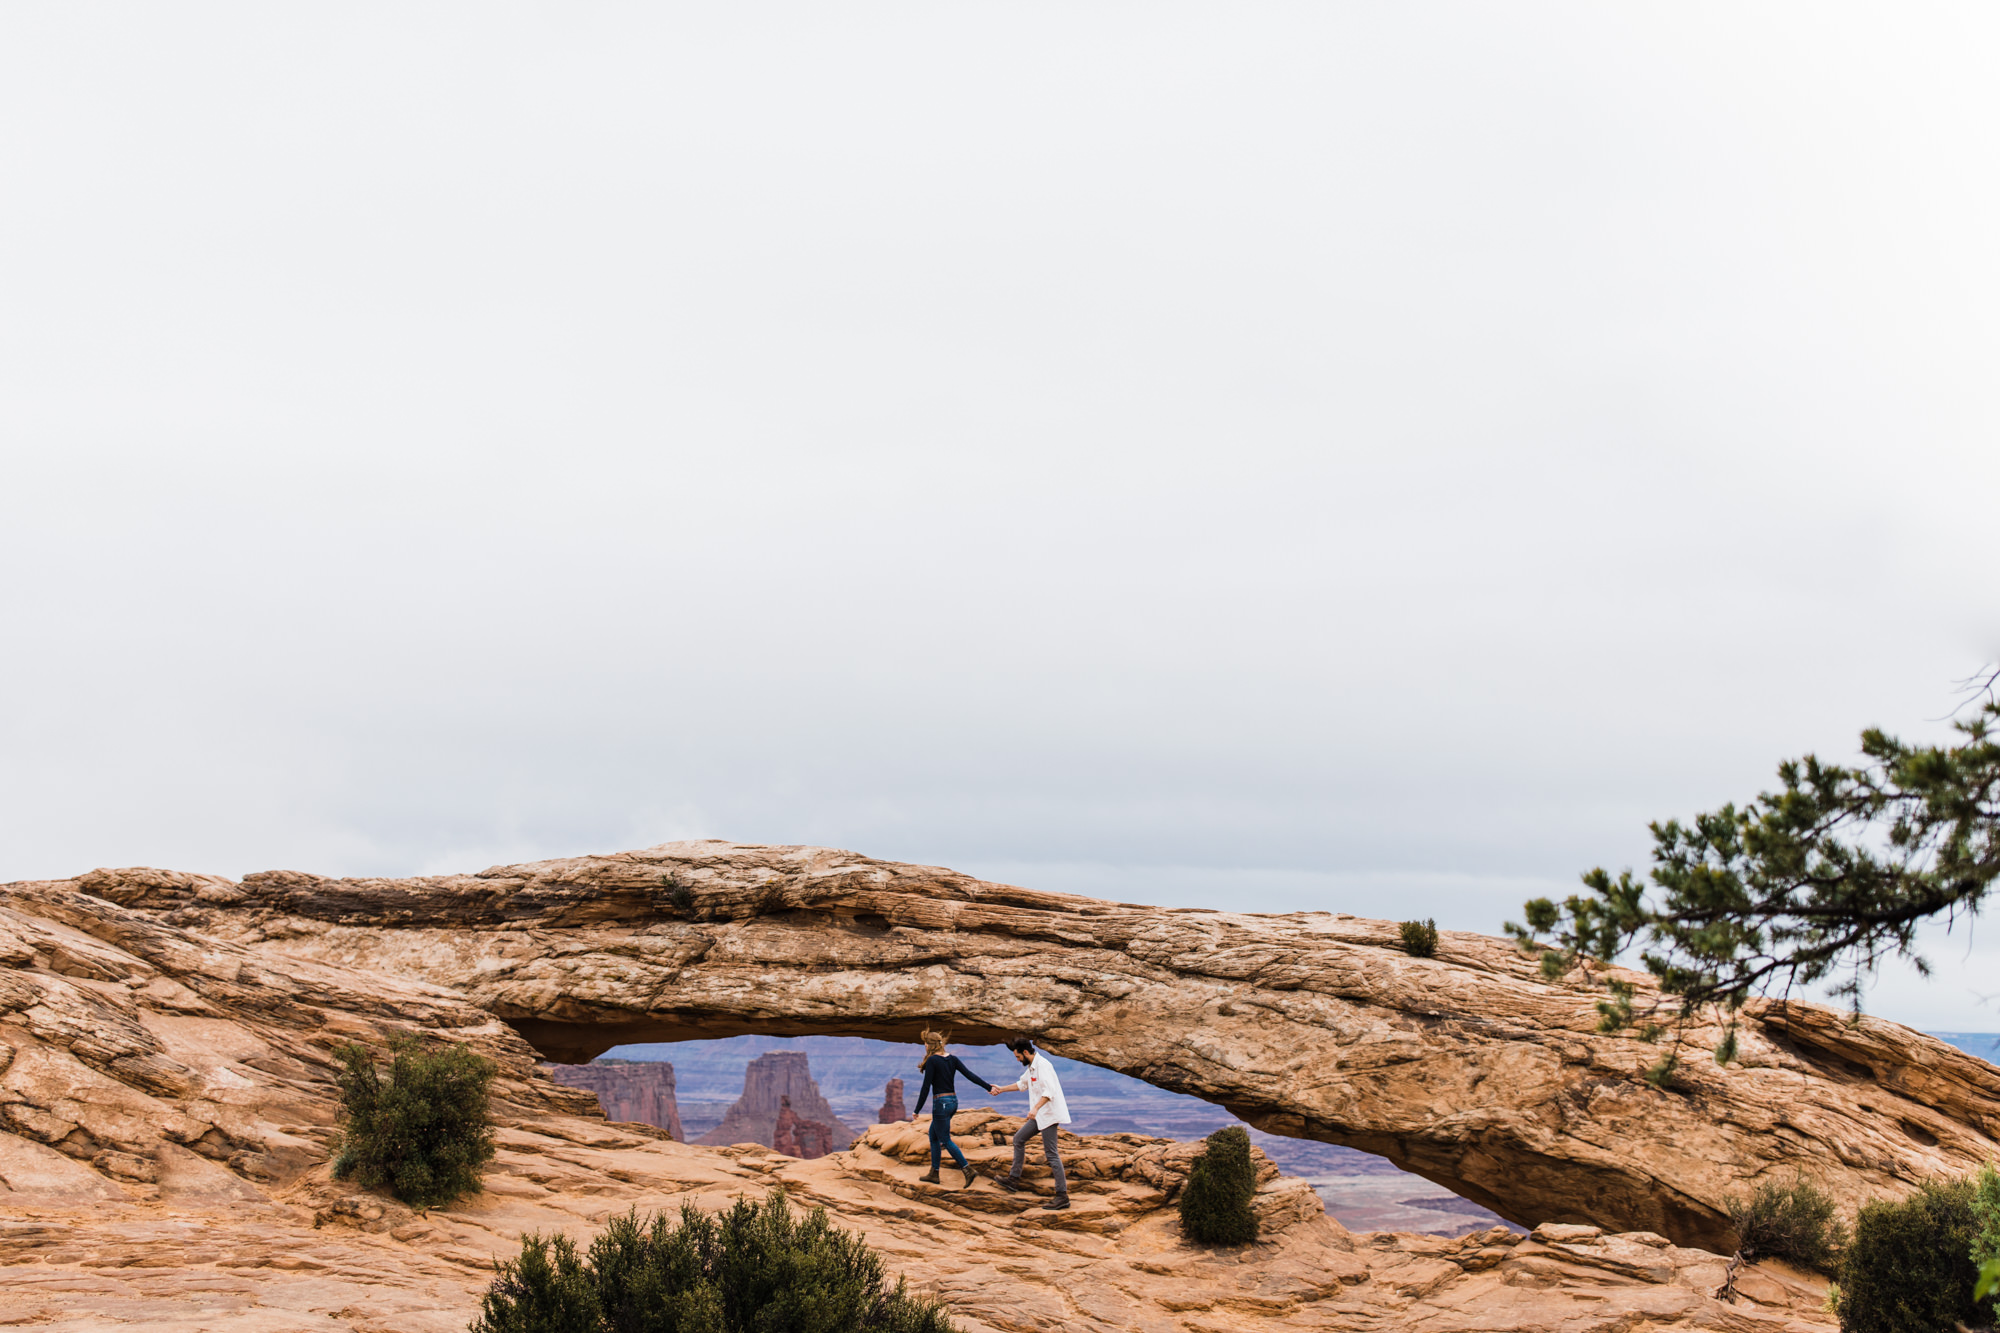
point(1046, 1110)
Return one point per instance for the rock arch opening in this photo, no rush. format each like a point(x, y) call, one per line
point(728, 1090)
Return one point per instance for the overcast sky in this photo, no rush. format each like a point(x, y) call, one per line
point(1368, 457)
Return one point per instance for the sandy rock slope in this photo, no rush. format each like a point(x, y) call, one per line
point(313, 1255)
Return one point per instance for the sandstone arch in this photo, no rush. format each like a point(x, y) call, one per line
point(1468, 1068)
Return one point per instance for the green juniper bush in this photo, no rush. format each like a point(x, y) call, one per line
point(1796, 1222)
point(1215, 1203)
point(757, 1268)
point(1908, 1267)
point(1420, 938)
point(424, 1131)
point(1986, 1239)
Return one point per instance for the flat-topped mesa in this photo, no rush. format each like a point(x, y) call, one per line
point(1468, 1068)
point(636, 1091)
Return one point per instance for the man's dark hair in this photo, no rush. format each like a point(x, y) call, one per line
point(1019, 1044)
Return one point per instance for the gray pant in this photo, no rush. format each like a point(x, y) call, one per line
point(1022, 1135)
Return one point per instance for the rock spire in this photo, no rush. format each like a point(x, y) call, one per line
point(772, 1083)
point(892, 1104)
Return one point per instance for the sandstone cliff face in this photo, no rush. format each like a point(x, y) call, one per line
point(139, 1061)
point(892, 1104)
point(770, 1082)
point(638, 1091)
point(1468, 1068)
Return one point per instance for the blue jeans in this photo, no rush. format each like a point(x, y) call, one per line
point(942, 1110)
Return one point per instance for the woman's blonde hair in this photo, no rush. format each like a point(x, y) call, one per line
point(933, 1042)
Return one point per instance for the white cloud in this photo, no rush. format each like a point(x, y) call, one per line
point(1335, 446)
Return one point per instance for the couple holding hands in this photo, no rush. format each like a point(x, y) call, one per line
point(1046, 1110)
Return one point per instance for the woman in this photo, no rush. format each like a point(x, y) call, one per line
point(941, 1073)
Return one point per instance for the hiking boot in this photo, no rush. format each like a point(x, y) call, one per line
point(1012, 1184)
point(931, 1179)
point(969, 1174)
point(1057, 1204)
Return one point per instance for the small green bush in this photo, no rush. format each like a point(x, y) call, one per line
point(679, 896)
point(756, 1269)
point(1909, 1267)
point(1215, 1204)
point(1986, 1241)
point(423, 1132)
point(1796, 1222)
point(1420, 938)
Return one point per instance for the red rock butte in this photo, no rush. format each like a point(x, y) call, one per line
point(1468, 1068)
point(778, 1085)
point(638, 1092)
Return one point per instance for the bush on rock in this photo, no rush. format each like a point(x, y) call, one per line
point(1420, 938)
point(757, 1268)
point(1215, 1204)
point(424, 1131)
point(1986, 1243)
point(1796, 1222)
point(1909, 1267)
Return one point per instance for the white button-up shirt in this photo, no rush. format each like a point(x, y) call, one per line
point(1042, 1082)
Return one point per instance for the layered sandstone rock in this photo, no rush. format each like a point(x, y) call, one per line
point(169, 1105)
point(641, 1091)
point(1468, 1068)
point(892, 1104)
point(141, 1061)
point(772, 1082)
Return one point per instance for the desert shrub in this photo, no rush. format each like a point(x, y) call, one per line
point(1795, 1222)
point(679, 896)
point(424, 1131)
point(758, 1268)
point(1420, 938)
point(1986, 1238)
point(1909, 1267)
point(546, 1290)
point(1215, 1203)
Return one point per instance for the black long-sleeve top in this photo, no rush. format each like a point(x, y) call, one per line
point(941, 1076)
